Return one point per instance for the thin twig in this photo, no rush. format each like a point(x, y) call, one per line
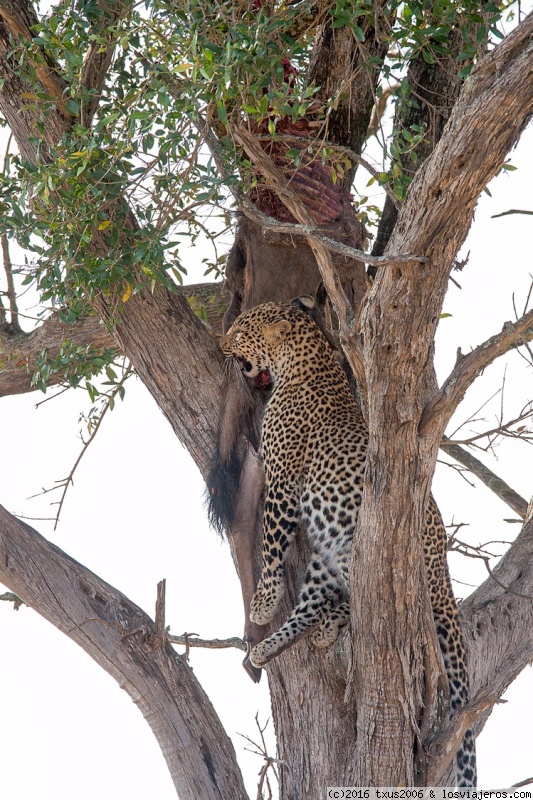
point(69, 480)
point(11, 293)
point(511, 211)
point(270, 761)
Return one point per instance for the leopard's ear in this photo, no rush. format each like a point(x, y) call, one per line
point(305, 302)
point(274, 334)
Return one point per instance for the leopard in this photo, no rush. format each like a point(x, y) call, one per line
point(314, 441)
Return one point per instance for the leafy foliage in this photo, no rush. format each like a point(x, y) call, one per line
point(123, 195)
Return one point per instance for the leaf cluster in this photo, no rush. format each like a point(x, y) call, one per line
point(124, 194)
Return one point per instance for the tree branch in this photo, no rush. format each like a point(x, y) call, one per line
point(18, 351)
point(192, 640)
point(444, 748)
point(19, 20)
point(399, 320)
point(469, 366)
point(123, 640)
point(99, 57)
point(489, 478)
point(13, 326)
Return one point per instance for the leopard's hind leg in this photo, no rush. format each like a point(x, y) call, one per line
point(280, 522)
point(322, 590)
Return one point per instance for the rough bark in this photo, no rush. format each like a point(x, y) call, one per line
point(18, 352)
point(124, 641)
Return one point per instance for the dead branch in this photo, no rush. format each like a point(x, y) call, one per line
point(489, 478)
point(511, 211)
point(94, 427)
point(161, 683)
point(502, 429)
point(270, 761)
point(160, 631)
point(193, 640)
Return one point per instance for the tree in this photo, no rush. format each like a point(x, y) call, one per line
point(129, 125)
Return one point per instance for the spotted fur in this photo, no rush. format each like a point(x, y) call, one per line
point(314, 444)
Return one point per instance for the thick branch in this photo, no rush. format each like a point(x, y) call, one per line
point(19, 19)
point(123, 640)
point(489, 478)
point(469, 366)
point(18, 351)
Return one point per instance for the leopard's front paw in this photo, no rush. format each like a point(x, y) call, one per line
point(266, 600)
point(328, 630)
point(263, 652)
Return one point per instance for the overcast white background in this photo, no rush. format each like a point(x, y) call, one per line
point(135, 515)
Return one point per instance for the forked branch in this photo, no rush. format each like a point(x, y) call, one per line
point(469, 366)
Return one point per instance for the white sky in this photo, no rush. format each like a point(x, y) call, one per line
point(135, 515)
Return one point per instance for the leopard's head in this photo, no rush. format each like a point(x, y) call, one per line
point(257, 338)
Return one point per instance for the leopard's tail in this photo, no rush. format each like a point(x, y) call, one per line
point(466, 762)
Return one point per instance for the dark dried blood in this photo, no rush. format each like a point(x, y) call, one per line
point(263, 379)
